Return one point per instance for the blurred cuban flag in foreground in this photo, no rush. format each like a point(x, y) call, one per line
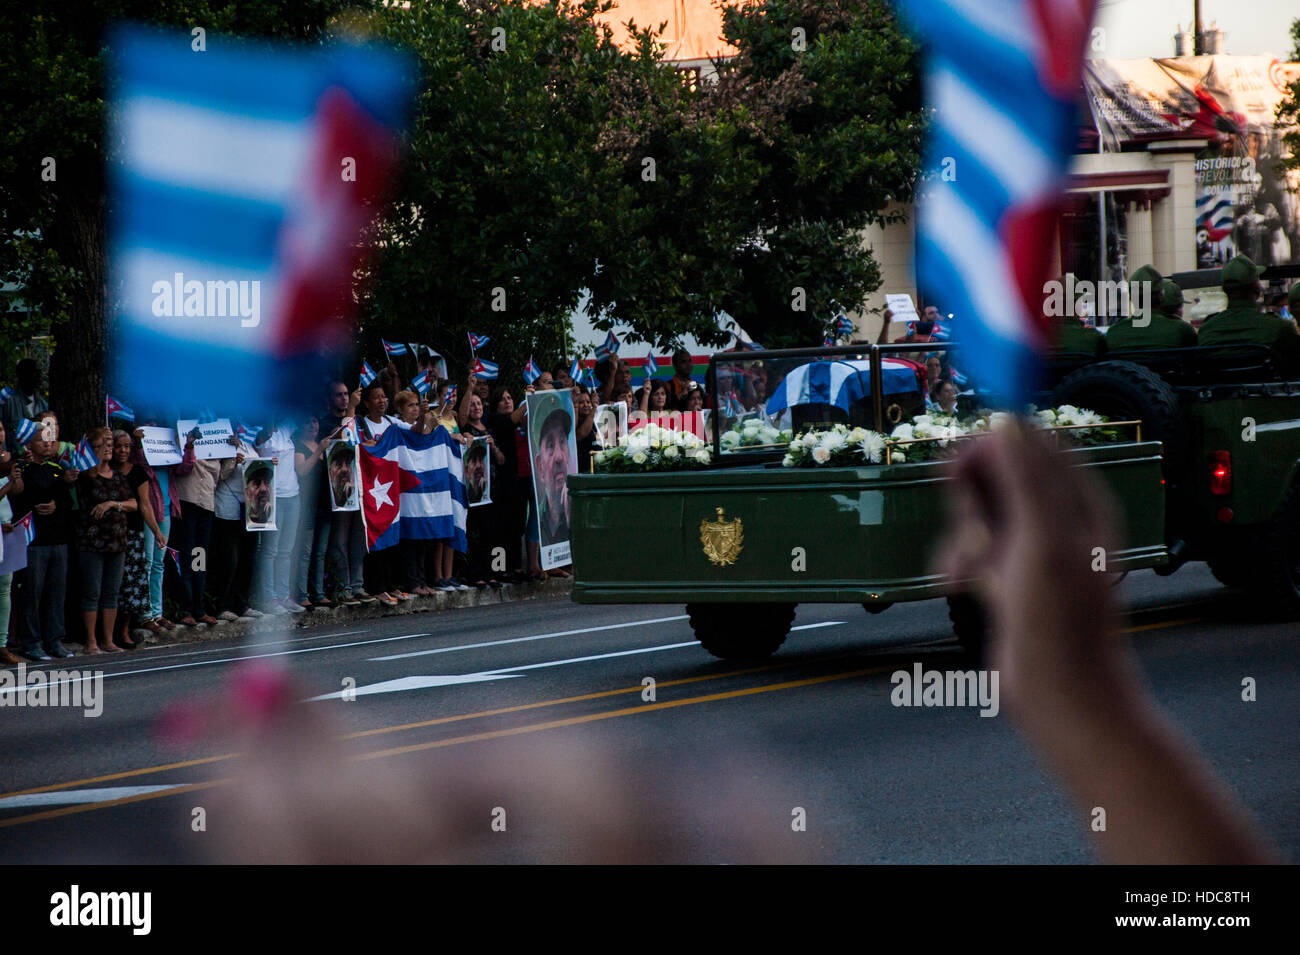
point(242, 177)
point(1002, 78)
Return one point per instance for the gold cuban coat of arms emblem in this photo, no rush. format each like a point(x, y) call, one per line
point(722, 539)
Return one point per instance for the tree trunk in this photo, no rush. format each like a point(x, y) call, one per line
point(76, 383)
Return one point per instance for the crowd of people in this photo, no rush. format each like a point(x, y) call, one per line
point(138, 546)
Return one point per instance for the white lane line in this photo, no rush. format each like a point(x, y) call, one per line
point(814, 626)
point(423, 682)
point(73, 797)
point(540, 636)
point(152, 656)
point(238, 659)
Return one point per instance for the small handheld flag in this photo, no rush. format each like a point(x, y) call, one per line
point(27, 429)
point(575, 370)
point(828, 341)
point(206, 415)
point(29, 531)
point(531, 372)
point(84, 457)
point(421, 383)
point(5, 392)
point(247, 433)
point(115, 409)
point(175, 555)
point(451, 394)
point(367, 373)
point(394, 349)
point(843, 326)
point(651, 366)
point(477, 341)
point(589, 377)
point(486, 370)
point(609, 348)
point(350, 434)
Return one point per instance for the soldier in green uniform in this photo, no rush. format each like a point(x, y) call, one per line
point(1166, 328)
point(1071, 335)
point(1243, 321)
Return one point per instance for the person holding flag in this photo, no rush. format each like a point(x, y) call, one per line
point(46, 494)
point(105, 498)
point(608, 348)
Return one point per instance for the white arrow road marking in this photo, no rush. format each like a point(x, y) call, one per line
point(422, 682)
point(540, 636)
point(73, 797)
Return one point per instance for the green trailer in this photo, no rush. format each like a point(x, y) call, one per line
point(744, 541)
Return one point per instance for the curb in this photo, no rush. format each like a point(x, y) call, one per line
point(455, 600)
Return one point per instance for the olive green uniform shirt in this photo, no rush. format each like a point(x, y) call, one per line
point(1163, 331)
point(1244, 323)
point(1072, 336)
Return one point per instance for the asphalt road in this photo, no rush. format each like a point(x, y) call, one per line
point(526, 732)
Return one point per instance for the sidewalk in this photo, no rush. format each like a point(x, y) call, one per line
point(455, 600)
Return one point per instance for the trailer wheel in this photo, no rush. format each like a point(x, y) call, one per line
point(1276, 573)
point(742, 632)
point(1233, 570)
point(970, 624)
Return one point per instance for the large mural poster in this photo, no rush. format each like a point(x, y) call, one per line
point(1244, 203)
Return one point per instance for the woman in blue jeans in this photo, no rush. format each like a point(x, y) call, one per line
point(105, 499)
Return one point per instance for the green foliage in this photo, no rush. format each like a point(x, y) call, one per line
point(561, 163)
point(1288, 111)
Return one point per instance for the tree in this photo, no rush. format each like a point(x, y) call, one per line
point(545, 161)
point(766, 177)
point(1288, 111)
point(52, 179)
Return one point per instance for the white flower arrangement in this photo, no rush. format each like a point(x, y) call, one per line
point(938, 436)
point(754, 432)
point(654, 448)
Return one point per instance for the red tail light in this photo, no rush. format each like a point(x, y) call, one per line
point(1220, 472)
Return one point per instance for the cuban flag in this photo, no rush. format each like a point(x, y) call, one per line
point(84, 457)
point(651, 366)
point(412, 488)
point(27, 527)
point(350, 433)
point(367, 373)
point(839, 383)
point(5, 392)
point(395, 349)
point(843, 326)
point(828, 341)
point(1002, 79)
point(477, 341)
point(247, 433)
point(451, 394)
point(589, 377)
point(115, 409)
point(608, 348)
point(486, 370)
point(175, 555)
point(27, 430)
point(575, 370)
point(938, 331)
point(242, 180)
point(421, 383)
point(531, 372)
point(1214, 214)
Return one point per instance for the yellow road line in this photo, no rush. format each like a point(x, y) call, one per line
point(481, 714)
point(436, 744)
